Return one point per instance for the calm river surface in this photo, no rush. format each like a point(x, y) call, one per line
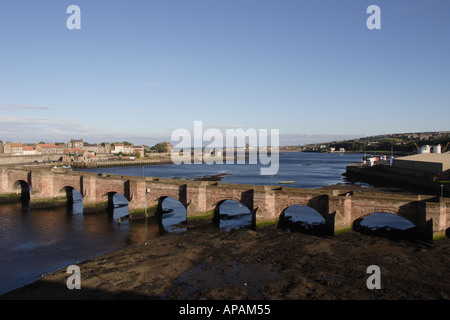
point(34, 242)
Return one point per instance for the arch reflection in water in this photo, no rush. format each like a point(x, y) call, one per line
point(117, 205)
point(302, 219)
point(387, 225)
point(172, 215)
point(231, 214)
point(77, 202)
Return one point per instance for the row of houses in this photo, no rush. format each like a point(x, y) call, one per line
point(72, 147)
point(19, 149)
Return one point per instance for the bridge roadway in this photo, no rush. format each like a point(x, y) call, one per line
point(339, 207)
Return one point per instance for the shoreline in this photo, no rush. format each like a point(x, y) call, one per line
point(263, 264)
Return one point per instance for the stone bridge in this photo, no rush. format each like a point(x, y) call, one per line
point(45, 187)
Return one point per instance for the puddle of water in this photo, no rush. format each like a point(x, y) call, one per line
point(202, 278)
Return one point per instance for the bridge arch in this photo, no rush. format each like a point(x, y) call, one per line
point(68, 192)
point(18, 185)
point(386, 224)
point(233, 214)
point(110, 192)
point(158, 198)
point(319, 203)
point(302, 218)
point(172, 200)
point(116, 200)
point(22, 188)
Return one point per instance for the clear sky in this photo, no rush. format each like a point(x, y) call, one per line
point(139, 69)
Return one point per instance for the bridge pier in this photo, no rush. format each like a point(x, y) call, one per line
point(4, 181)
point(43, 193)
point(92, 202)
point(340, 217)
point(197, 203)
point(436, 220)
point(265, 208)
point(136, 196)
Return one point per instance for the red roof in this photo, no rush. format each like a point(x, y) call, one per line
point(48, 145)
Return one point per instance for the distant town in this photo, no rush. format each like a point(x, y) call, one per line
point(79, 151)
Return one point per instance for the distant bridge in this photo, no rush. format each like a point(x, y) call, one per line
point(339, 207)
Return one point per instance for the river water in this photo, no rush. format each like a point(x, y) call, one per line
point(34, 242)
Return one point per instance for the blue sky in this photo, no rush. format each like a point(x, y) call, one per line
point(137, 70)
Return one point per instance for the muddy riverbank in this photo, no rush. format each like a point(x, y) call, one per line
point(267, 264)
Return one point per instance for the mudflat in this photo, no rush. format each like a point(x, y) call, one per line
point(264, 264)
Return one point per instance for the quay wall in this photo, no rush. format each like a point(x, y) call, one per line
point(120, 163)
point(417, 178)
point(7, 159)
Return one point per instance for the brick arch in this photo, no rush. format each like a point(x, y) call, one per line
point(162, 198)
point(316, 203)
point(23, 188)
point(217, 204)
point(69, 182)
point(104, 186)
point(305, 205)
point(67, 191)
point(110, 195)
point(66, 187)
point(217, 216)
point(155, 197)
point(367, 213)
point(160, 203)
point(17, 175)
point(112, 192)
point(18, 184)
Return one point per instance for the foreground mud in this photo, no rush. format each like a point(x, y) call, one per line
point(265, 264)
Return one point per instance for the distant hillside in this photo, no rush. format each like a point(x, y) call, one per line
point(399, 143)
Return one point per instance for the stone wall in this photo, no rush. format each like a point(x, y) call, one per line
point(8, 159)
